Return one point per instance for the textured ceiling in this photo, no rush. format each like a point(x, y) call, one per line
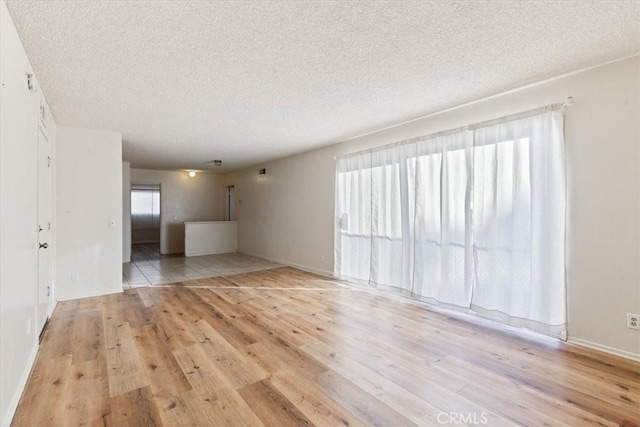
point(191, 81)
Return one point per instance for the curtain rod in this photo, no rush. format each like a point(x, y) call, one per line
point(521, 115)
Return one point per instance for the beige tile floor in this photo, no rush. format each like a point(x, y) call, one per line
point(149, 268)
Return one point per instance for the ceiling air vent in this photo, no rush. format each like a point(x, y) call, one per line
point(215, 162)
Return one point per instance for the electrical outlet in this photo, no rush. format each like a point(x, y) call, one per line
point(633, 321)
point(75, 277)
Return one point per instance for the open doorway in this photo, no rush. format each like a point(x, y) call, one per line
point(231, 203)
point(145, 222)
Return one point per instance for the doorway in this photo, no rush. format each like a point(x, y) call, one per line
point(230, 214)
point(145, 222)
point(44, 230)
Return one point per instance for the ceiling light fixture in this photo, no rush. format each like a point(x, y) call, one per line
point(192, 173)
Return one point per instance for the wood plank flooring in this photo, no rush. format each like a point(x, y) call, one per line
point(286, 348)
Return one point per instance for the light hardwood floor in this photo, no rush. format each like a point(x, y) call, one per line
point(283, 347)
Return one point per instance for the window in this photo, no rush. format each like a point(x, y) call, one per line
point(145, 214)
point(145, 209)
point(473, 220)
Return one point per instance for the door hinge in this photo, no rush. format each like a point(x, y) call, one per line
point(30, 82)
point(49, 226)
point(49, 161)
point(48, 290)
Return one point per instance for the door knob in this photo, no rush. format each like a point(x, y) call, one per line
point(44, 245)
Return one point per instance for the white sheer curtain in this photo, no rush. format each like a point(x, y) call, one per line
point(471, 220)
point(392, 215)
point(443, 252)
point(352, 259)
point(519, 223)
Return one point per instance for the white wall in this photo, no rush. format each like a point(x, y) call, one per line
point(182, 199)
point(210, 237)
point(89, 178)
point(288, 216)
point(126, 212)
point(19, 112)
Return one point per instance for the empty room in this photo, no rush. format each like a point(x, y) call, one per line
point(279, 213)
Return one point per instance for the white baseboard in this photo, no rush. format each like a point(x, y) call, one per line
point(604, 348)
point(52, 308)
point(13, 405)
point(95, 294)
point(308, 269)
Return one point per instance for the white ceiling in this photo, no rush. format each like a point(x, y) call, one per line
point(191, 81)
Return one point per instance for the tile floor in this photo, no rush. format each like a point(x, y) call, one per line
point(149, 268)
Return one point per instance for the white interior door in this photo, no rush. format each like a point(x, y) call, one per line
point(44, 229)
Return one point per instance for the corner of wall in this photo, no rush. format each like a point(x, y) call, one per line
point(89, 212)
